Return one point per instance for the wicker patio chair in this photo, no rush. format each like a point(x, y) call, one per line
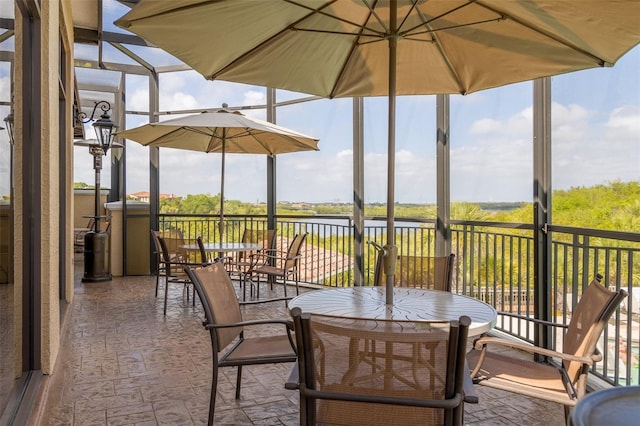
point(562, 378)
point(433, 273)
point(173, 270)
point(157, 253)
point(408, 386)
point(224, 321)
point(240, 264)
point(278, 265)
point(78, 235)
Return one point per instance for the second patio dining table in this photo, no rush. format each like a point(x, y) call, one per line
point(223, 247)
point(413, 304)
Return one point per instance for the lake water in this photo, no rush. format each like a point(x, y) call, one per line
point(328, 226)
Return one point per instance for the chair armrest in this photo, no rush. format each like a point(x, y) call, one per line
point(258, 302)
point(597, 355)
point(189, 264)
point(293, 382)
point(481, 343)
point(453, 402)
point(270, 254)
point(533, 320)
point(286, 322)
point(468, 389)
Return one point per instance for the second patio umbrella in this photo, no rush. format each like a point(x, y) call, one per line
point(222, 131)
point(346, 48)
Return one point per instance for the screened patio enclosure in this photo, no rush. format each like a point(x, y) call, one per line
point(518, 143)
point(434, 126)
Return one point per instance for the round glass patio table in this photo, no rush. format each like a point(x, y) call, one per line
point(223, 247)
point(617, 406)
point(413, 304)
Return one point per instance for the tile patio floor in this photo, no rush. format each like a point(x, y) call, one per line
point(123, 363)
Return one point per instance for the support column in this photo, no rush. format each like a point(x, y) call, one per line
point(271, 164)
point(443, 183)
point(542, 207)
point(154, 165)
point(358, 190)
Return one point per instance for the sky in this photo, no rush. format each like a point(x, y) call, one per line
point(595, 134)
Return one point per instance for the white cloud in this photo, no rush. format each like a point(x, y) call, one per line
point(485, 126)
point(138, 100)
point(627, 119)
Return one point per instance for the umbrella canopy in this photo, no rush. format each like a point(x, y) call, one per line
point(221, 131)
point(345, 48)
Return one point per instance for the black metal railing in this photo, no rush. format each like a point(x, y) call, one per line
point(494, 263)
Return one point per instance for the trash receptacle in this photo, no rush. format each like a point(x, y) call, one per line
point(96, 257)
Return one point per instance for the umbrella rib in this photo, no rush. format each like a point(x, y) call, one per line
point(343, 69)
point(463, 90)
point(319, 11)
point(406, 16)
point(128, 23)
point(450, 67)
point(429, 30)
point(372, 12)
point(250, 52)
point(154, 125)
point(427, 22)
point(537, 30)
point(268, 151)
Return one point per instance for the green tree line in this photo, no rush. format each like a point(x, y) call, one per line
point(615, 206)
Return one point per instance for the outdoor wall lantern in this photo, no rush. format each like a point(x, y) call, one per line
point(8, 120)
point(96, 259)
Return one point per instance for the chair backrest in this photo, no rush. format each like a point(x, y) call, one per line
point(164, 249)
point(105, 224)
point(157, 249)
point(219, 300)
point(174, 239)
point(173, 265)
point(293, 252)
point(265, 237)
point(203, 253)
point(588, 320)
point(347, 367)
point(166, 256)
point(434, 273)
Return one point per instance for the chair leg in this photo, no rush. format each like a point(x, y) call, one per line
point(166, 294)
point(157, 281)
point(214, 391)
point(255, 286)
point(243, 285)
point(238, 382)
point(567, 415)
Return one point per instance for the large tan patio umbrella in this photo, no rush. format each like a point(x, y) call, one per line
point(347, 48)
point(221, 131)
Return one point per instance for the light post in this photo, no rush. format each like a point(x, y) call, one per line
point(96, 267)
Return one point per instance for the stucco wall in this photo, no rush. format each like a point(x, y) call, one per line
point(84, 205)
point(49, 181)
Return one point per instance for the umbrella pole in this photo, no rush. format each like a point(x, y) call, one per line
point(222, 192)
point(391, 252)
